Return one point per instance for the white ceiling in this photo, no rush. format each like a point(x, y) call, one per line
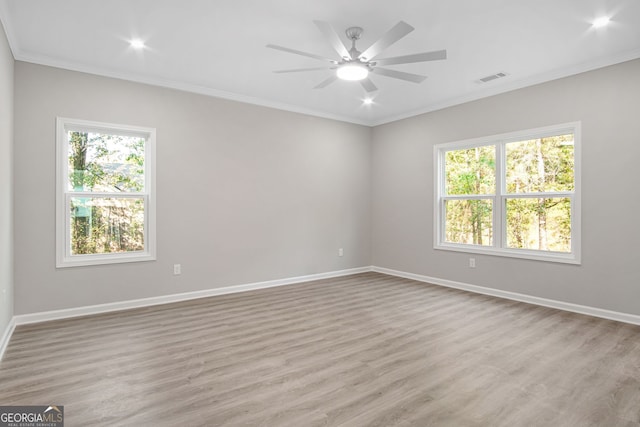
point(218, 47)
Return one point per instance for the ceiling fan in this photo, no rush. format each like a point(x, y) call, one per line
point(355, 65)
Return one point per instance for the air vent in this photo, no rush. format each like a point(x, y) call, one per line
point(492, 77)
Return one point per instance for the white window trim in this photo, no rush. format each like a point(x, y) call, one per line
point(499, 225)
point(63, 249)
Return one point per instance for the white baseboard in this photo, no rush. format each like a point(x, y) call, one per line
point(146, 302)
point(45, 316)
point(4, 342)
point(560, 305)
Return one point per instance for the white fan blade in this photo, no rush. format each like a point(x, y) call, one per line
point(326, 82)
point(297, 70)
point(416, 57)
point(333, 38)
point(299, 52)
point(400, 30)
point(415, 78)
point(368, 85)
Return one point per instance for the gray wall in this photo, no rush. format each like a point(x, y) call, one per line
point(6, 182)
point(244, 193)
point(247, 193)
point(607, 101)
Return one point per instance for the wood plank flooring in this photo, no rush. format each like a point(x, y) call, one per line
point(362, 350)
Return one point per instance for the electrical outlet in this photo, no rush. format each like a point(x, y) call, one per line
point(472, 262)
point(340, 252)
point(177, 269)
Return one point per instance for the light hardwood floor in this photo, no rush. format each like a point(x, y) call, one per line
point(362, 350)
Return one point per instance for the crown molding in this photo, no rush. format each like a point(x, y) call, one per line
point(509, 86)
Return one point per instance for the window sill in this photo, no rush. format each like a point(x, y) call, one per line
point(102, 259)
point(564, 258)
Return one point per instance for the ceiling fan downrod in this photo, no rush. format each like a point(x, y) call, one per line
point(353, 34)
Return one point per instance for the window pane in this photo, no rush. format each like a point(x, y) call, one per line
point(105, 163)
point(543, 164)
point(469, 221)
point(471, 171)
point(106, 225)
point(540, 224)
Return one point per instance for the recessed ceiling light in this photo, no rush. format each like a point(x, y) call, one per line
point(137, 44)
point(367, 101)
point(601, 22)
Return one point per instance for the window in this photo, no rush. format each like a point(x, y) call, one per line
point(515, 195)
point(105, 205)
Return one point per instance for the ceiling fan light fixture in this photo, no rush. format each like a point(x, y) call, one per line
point(352, 71)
